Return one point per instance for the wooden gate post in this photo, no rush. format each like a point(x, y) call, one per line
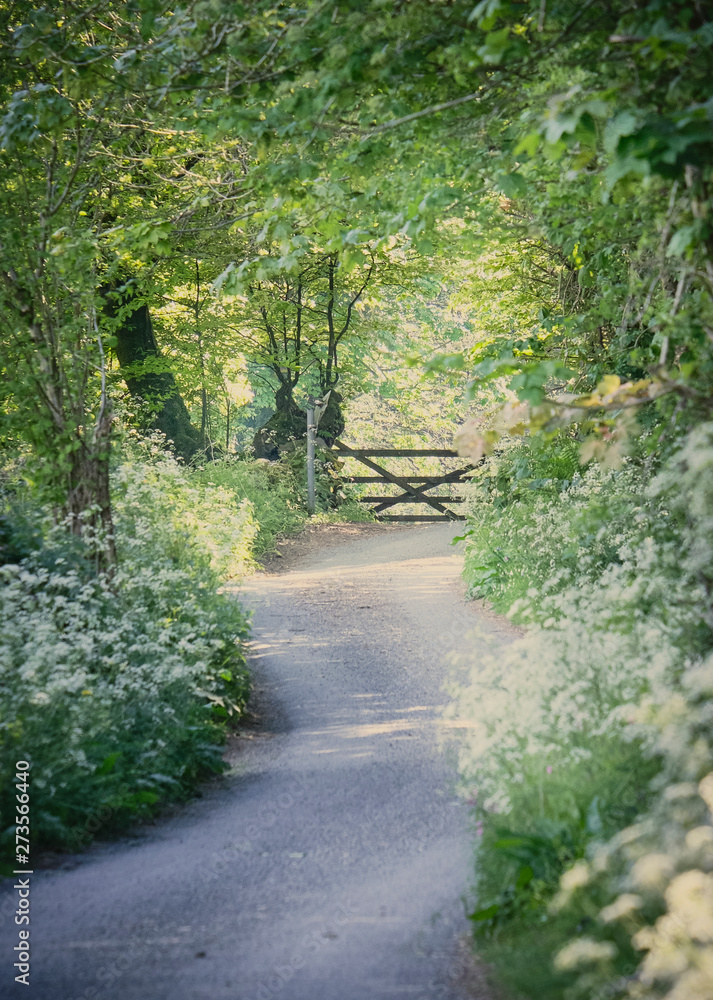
point(315, 409)
point(310, 459)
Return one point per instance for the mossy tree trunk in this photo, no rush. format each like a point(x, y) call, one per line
point(289, 423)
point(149, 378)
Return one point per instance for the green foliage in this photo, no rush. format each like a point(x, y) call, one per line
point(273, 490)
point(555, 813)
point(588, 730)
point(537, 520)
point(549, 166)
point(276, 493)
point(116, 689)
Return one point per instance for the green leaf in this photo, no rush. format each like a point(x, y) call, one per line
point(108, 764)
point(524, 877)
point(586, 277)
point(624, 167)
point(625, 123)
point(485, 914)
point(681, 241)
point(512, 185)
point(529, 144)
point(495, 44)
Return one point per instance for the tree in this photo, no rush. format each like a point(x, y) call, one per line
point(128, 130)
point(591, 122)
point(101, 161)
point(150, 379)
point(67, 112)
point(295, 304)
point(303, 320)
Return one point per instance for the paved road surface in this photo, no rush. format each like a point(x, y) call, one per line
point(331, 862)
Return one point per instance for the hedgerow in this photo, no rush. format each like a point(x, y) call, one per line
point(116, 687)
point(589, 746)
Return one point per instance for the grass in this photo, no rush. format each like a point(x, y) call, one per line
point(277, 492)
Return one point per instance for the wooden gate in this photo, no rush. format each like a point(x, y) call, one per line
point(415, 488)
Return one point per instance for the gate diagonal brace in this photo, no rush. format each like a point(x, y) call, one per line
point(451, 477)
point(410, 491)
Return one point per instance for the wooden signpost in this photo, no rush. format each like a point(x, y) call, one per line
point(314, 411)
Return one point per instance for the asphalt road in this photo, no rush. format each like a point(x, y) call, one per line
point(331, 862)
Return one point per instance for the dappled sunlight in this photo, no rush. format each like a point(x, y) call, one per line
point(397, 617)
point(366, 729)
point(280, 646)
point(424, 573)
point(392, 322)
point(343, 732)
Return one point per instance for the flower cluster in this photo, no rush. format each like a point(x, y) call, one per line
point(657, 874)
point(612, 682)
point(113, 686)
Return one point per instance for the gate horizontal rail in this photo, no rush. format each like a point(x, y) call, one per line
point(414, 487)
point(379, 479)
point(392, 499)
point(400, 452)
point(417, 517)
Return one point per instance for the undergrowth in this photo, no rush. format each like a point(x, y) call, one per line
point(116, 689)
point(589, 748)
point(277, 492)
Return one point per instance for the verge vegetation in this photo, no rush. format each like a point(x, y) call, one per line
point(589, 732)
point(118, 686)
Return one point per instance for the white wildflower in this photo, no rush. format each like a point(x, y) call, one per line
point(584, 951)
point(623, 906)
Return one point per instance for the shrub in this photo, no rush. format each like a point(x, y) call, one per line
point(589, 738)
point(277, 493)
point(116, 689)
point(271, 488)
point(647, 892)
point(649, 889)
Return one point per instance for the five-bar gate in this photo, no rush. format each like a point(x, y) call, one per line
point(415, 488)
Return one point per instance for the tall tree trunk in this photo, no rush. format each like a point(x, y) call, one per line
point(67, 426)
point(88, 493)
point(289, 423)
point(197, 306)
point(150, 379)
